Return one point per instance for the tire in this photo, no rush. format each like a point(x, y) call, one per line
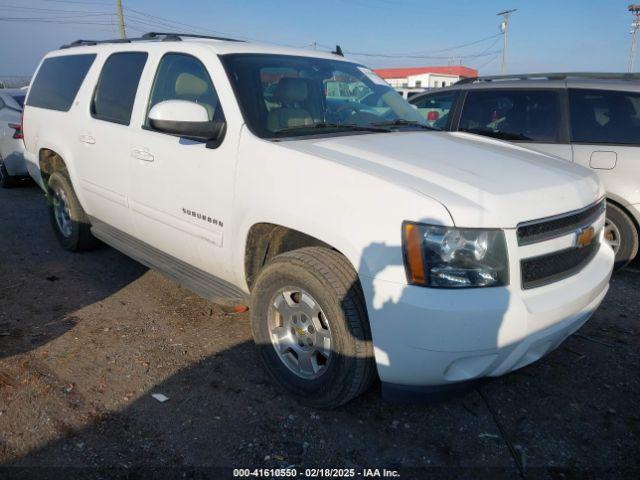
point(6, 180)
point(622, 234)
point(326, 277)
point(73, 231)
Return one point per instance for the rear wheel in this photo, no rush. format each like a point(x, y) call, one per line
point(69, 221)
point(309, 320)
point(6, 180)
point(621, 234)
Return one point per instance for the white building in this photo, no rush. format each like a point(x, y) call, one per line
point(425, 77)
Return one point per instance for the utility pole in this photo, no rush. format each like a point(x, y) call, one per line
point(635, 26)
point(123, 32)
point(504, 28)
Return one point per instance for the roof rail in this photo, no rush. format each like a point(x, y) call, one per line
point(178, 36)
point(80, 43)
point(552, 76)
point(161, 36)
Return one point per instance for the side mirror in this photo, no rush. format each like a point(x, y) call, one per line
point(185, 119)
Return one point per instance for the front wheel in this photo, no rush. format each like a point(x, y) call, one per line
point(621, 234)
point(309, 320)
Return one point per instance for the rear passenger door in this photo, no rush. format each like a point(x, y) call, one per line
point(528, 117)
point(104, 140)
point(605, 134)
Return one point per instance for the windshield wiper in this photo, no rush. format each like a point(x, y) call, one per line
point(347, 126)
point(498, 135)
point(402, 123)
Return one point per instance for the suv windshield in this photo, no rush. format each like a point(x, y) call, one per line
point(285, 96)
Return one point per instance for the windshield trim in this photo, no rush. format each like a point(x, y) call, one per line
point(311, 135)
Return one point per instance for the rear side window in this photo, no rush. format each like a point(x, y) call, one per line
point(58, 81)
point(116, 90)
point(524, 115)
point(599, 116)
point(436, 107)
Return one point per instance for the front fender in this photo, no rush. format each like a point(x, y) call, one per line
point(356, 213)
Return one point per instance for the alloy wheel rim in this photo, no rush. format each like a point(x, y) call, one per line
point(300, 333)
point(612, 235)
point(61, 213)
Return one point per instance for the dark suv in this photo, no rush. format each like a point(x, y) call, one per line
point(589, 118)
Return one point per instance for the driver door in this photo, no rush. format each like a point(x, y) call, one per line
point(181, 194)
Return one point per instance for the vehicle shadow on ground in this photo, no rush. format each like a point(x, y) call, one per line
point(224, 411)
point(55, 282)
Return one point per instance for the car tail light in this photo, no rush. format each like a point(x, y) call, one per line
point(18, 130)
point(433, 116)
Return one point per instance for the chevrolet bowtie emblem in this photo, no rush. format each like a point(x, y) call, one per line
point(585, 236)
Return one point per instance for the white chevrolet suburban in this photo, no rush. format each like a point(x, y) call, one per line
point(365, 242)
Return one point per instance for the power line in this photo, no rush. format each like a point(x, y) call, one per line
point(458, 47)
point(488, 62)
point(170, 22)
point(419, 57)
point(45, 10)
point(78, 2)
point(140, 20)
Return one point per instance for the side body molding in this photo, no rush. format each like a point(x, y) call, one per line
point(200, 282)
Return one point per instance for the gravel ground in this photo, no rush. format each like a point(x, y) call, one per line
point(85, 339)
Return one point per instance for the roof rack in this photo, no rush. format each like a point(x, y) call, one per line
point(178, 36)
point(80, 43)
point(161, 36)
point(552, 76)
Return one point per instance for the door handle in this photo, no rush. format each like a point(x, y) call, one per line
point(86, 138)
point(142, 154)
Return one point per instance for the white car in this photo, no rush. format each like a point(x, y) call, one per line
point(364, 242)
point(407, 93)
point(592, 119)
point(12, 163)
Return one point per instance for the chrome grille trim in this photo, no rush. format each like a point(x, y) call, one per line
point(536, 231)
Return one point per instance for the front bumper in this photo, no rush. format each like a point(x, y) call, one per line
point(430, 337)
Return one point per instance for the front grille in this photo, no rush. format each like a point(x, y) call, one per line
point(553, 227)
point(552, 267)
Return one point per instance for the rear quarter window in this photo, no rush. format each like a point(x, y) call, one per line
point(58, 81)
point(603, 116)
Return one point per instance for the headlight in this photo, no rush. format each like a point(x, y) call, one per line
point(444, 257)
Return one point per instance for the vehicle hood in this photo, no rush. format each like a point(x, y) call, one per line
point(482, 182)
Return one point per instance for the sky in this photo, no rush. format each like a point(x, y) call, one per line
point(544, 35)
